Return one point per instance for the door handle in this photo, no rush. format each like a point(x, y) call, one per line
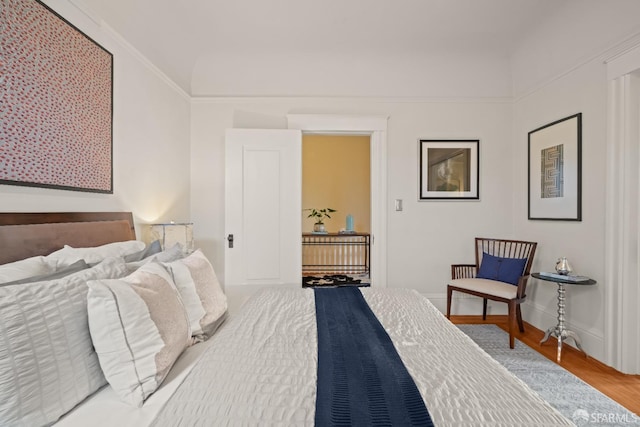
point(230, 239)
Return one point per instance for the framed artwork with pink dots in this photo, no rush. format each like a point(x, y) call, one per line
point(56, 102)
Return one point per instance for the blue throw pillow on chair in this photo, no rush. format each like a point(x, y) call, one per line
point(506, 270)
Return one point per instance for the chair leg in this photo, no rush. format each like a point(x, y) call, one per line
point(519, 316)
point(449, 293)
point(512, 323)
point(484, 309)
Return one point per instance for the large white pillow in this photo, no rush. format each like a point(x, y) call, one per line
point(47, 361)
point(201, 293)
point(139, 328)
point(59, 273)
point(29, 267)
point(68, 255)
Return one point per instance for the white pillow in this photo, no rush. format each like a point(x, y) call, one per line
point(139, 328)
point(29, 267)
point(201, 293)
point(47, 361)
point(69, 255)
point(57, 274)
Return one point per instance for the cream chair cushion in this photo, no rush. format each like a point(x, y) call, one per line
point(486, 286)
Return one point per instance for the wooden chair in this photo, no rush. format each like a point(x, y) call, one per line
point(463, 278)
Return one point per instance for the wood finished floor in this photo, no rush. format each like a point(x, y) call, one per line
point(624, 389)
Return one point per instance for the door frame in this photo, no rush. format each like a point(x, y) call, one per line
point(622, 296)
point(376, 128)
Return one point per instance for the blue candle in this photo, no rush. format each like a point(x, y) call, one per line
point(349, 223)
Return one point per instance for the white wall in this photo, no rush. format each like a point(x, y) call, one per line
point(559, 71)
point(150, 141)
point(426, 237)
point(584, 90)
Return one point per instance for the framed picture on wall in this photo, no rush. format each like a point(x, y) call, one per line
point(449, 169)
point(56, 108)
point(555, 170)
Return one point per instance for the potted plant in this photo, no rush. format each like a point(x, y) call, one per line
point(320, 215)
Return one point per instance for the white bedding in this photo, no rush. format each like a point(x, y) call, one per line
point(260, 368)
point(106, 409)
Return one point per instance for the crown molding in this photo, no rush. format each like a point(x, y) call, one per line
point(143, 59)
point(622, 48)
point(347, 99)
point(605, 55)
point(115, 36)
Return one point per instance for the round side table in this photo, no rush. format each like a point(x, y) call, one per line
point(560, 331)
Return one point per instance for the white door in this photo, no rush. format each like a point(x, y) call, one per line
point(263, 173)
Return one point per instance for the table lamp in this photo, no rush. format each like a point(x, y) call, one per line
point(173, 232)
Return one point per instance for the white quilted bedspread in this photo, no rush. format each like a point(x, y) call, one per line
point(261, 368)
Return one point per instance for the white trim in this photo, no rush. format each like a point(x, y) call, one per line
point(196, 99)
point(622, 48)
point(624, 64)
point(143, 59)
point(88, 12)
point(622, 228)
point(537, 315)
point(340, 123)
point(113, 34)
point(110, 32)
point(466, 305)
point(605, 55)
point(534, 314)
point(376, 126)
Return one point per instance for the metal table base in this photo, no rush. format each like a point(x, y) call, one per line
point(560, 331)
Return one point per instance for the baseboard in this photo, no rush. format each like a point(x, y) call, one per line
point(592, 339)
point(465, 305)
point(535, 314)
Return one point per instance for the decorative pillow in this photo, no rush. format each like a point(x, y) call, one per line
point(47, 361)
point(58, 274)
point(151, 249)
point(69, 255)
point(24, 268)
point(173, 253)
point(201, 293)
point(139, 328)
point(506, 270)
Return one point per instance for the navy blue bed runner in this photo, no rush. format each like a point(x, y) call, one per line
point(361, 378)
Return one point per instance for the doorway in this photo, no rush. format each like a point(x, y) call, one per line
point(376, 128)
point(336, 176)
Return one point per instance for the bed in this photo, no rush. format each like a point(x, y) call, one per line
point(261, 366)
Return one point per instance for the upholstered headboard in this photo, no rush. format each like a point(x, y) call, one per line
point(24, 235)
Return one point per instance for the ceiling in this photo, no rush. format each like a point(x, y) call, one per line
point(173, 35)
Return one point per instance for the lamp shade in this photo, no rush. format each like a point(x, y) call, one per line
point(173, 232)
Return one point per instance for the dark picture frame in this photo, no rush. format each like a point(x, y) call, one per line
point(449, 169)
point(555, 170)
point(56, 101)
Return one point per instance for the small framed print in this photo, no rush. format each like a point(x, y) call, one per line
point(449, 169)
point(555, 170)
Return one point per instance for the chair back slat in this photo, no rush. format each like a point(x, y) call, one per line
point(506, 248)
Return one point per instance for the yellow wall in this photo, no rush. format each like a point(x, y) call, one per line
point(336, 174)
